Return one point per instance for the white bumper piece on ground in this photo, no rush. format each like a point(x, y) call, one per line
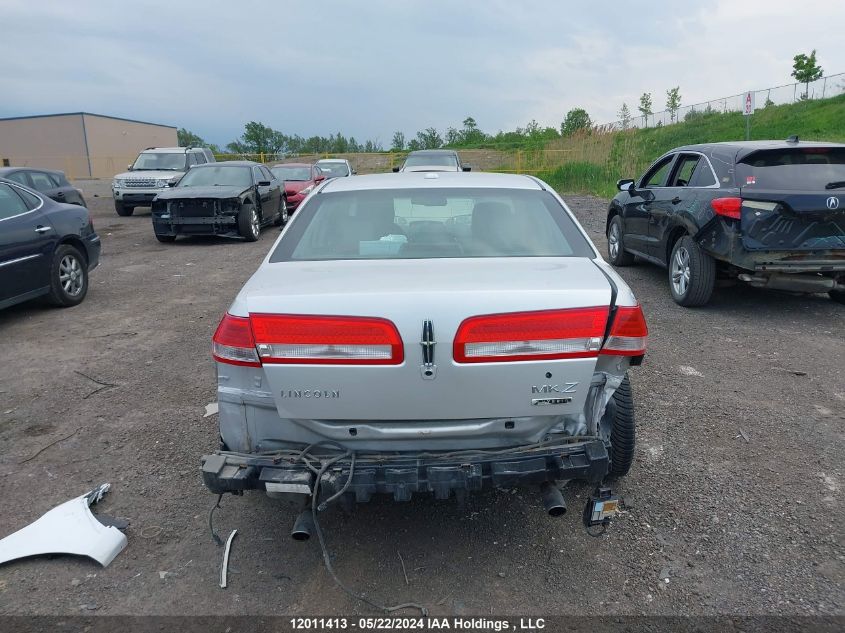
point(67, 529)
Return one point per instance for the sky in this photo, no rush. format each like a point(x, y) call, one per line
point(367, 68)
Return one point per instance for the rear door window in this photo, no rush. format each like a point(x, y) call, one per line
point(684, 169)
point(20, 178)
point(794, 169)
point(703, 175)
point(41, 181)
point(11, 204)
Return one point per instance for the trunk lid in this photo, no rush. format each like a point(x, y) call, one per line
point(408, 293)
point(783, 219)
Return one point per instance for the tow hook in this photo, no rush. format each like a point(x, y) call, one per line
point(601, 507)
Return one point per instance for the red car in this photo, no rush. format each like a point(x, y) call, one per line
point(300, 179)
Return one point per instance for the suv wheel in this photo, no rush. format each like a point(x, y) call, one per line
point(692, 273)
point(123, 209)
point(68, 277)
point(616, 244)
point(617, 425)
point(249, 225)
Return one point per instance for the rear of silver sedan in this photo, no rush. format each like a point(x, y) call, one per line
point(426, 333)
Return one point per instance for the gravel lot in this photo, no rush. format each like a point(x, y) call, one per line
point(715, 523)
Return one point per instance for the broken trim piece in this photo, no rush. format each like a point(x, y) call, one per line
point(224, 569)
point(69, 528)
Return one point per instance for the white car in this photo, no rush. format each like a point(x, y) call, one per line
point(335, 167)
point(427, 333)
point(155, 169)
point(433, 160)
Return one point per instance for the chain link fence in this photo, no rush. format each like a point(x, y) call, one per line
point(822, 88)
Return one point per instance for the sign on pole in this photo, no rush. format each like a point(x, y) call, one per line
point(749, 103)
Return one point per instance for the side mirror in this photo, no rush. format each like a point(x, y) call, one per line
point(354, 173)
point(319, 179)
point(396, 170)
point(466, 167)
point(626, 184)
point(129, 167)
point(263, 183)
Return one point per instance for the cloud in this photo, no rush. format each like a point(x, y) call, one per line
point(368, 69)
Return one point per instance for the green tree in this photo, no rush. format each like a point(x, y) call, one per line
point(398, 143)
point(471, 135)
point(673, 102)
point(258, 139)
point(645, 106)
point(186, 138)
point(805, 69)
point(414, 145)
point(625, 116)
point(429, 138)
point(576, 119)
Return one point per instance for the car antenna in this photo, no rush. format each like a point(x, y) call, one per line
point(792, 139)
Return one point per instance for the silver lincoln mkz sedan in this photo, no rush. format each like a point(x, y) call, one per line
point(426, 332)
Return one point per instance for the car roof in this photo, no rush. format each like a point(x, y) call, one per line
point(743, 148)
point(292, 165)
point(431, 179)
point(331, 160)
point(10, 170)
point(229, 163)
point(433, 152)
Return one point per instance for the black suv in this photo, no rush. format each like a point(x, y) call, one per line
point(768, 213)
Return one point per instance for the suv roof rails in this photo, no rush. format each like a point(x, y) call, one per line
point(792, 139)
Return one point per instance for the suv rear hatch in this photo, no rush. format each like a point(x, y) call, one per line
point(793, 199)
point(427, 301)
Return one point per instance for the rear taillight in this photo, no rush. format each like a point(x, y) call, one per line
point(727, 207)
point(329, 340)
point(233, 343)
point(628, 333)
point(544, 335)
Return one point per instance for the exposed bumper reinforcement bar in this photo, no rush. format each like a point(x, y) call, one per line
point(402, 476)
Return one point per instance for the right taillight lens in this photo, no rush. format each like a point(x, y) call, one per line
point(628, 334)
point(233, 342)
point(727, 207)
point(522, 336)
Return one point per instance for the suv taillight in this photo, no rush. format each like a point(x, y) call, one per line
point(628, 334)
point(542, 335)
point(233, 342)
point(727, 207)
point(328, 340)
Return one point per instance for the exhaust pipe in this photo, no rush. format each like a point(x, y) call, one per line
point(553, 500)
point(303, 527)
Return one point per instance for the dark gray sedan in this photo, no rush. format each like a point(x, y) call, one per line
point(51, 183)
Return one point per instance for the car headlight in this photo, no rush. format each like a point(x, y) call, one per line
point(307, 190)
point(161, 182)
point(117, 182)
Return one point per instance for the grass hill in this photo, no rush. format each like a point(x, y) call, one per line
point(592, 163)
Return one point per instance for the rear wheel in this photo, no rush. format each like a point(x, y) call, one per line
point(68, 277)
point(123, 209)
point(283, 213)
point(618, 423)
point(616, 244)
point(692, 273)
point(249, 225)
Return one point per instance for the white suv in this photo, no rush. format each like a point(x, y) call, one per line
point(155, 169)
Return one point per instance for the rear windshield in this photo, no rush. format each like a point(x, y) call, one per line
point(431, 160)
point(426, 223)
point(805, 169)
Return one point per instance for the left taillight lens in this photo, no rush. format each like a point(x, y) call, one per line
point(328, 340)
point(628, 334)
point(233, 342)
point(541, 335)
point(727, 207)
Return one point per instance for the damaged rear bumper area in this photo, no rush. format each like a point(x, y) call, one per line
point(402, 475)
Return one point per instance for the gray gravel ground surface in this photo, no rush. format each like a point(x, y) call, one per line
point(715, 523)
